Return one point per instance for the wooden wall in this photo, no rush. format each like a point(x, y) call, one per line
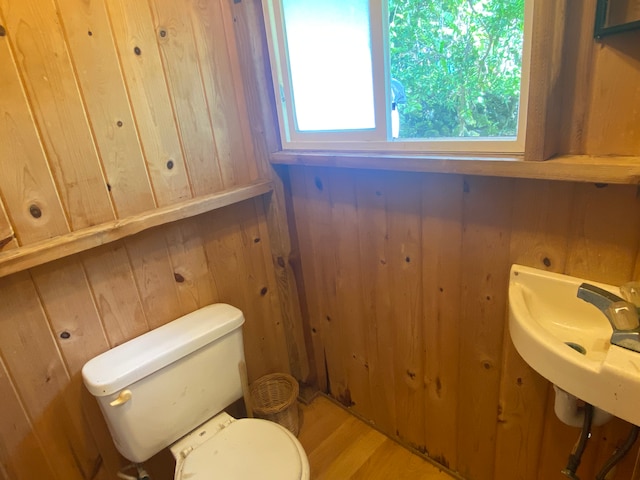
point(58, 316)
point(110, 108)
point(406, 281)
point(601, 88)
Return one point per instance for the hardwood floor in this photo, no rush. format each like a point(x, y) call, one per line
point(341, 447)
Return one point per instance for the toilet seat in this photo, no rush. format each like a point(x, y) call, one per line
point(239, 450)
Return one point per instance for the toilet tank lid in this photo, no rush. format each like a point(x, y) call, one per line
point(125, 364)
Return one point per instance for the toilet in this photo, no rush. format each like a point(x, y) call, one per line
point(168, 388)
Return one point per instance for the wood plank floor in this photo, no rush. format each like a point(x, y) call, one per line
point(341, 447)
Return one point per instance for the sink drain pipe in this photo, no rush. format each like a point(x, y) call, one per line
point(619, 453)
point(576, 454)
point(570, 410)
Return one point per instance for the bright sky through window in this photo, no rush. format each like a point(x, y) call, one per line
point(330, 62)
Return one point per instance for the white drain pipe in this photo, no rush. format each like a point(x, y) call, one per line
point(570, 410)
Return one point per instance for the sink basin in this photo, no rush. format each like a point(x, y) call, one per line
point(566, 340)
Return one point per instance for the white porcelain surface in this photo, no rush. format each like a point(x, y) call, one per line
point(544, 314)
point(238, 450)
point(131, 361)
point(187, 373)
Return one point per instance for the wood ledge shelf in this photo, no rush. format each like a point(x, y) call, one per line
point(575, 168)
point(29, 256)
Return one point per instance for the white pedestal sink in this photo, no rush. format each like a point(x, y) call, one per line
point(566, 340)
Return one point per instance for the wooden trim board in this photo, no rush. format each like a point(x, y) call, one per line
point(575, 168)
point(45, 251)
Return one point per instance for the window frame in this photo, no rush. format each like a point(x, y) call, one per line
point(379, 138)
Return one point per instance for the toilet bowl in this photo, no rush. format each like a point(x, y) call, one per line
point(240, 449)
point(169, 387)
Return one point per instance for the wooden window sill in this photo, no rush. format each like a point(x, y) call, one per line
point(576, 168)
point(28, 256)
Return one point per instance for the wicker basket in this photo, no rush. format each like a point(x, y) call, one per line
point(274, 397)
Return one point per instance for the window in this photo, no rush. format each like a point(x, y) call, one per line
point(413, 75)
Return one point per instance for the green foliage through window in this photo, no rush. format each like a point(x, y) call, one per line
point(459, 62)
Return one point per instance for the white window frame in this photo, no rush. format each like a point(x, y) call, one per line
point(379, 139)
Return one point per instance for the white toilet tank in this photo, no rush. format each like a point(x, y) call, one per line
point(157, 387)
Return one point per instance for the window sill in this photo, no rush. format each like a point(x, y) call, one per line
point(576, 168)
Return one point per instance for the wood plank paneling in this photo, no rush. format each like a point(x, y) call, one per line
point(110, 93)
point(403, 203)
point(246, 33)
point(320, 232)
point(7, 236)
point(614, 117)
point(60, 315)
point(110, 109)
point(67, 300)
point(405, 342)
point(34, 362)
point(600, 88)
point(115, 292)
point(263, 306)
point(21, 453)
point(604, 237)
point(286, 271)
point(234, 15)
point(349, 291)
point(605, 233)
point(576, 76)
point(220, 87)
point(3, 472)
point(540, 225)
point(39, 48)
point(376, 293)
point(239, 263)
point(441, 276)
point(308, 274)
point(184, 78)
point(154, 277)
point(26, 180)
point(195, 285)
point(485, 413)
point(132, 27)
point(544, 113)
point(94, 56)
point(612, 437)
point(485, 254)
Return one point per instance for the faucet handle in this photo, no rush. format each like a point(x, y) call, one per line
point(623, 316)
point(631, 292)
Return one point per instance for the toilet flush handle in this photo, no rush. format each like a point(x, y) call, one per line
point(123, 397)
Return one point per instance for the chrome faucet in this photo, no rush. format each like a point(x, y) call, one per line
point(622, 315)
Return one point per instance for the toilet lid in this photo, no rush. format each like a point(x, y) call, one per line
point(245, 449)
